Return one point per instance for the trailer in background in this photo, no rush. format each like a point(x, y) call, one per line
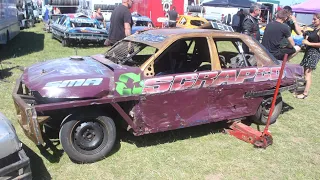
point(9, 24)
point(155, 9)
point(106, 6)
point(270, 9)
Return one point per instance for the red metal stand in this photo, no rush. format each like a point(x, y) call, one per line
point(253, 136)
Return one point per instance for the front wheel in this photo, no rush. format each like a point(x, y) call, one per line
point(88, 139)
point(262, 113)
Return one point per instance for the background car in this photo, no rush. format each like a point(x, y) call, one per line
point(14, 163)
point(139, 23)
point(72, 29)
point(53, 18)
point(188, 21)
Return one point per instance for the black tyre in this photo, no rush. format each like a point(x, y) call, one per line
point(194, 9)
point(88, 139)
point(262, 113)
point(65, 43)
point(8, 37)
point(30, 24)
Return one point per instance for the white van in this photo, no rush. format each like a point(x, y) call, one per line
point(9, 24)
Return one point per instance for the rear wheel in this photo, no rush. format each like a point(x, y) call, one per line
point(262, 113)
point(88, 139)
point(65, 43)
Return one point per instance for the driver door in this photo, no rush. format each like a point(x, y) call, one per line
point(173, 97)
point(236, 79)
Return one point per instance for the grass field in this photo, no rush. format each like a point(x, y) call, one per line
point(192, 153)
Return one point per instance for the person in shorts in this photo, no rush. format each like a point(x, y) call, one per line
point(274, 34)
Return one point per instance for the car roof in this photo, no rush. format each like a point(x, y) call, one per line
point(159, 37)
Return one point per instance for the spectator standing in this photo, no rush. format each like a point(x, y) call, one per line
point(312, 54)
point(250, 25)
point(236, 22)
point(99, 16)
point(292, 21)
point(120, 22)
point(56, 10)
point(293, 25)
point(222, 18)
point(242, 16)
point(173, 15)
point(275, 32)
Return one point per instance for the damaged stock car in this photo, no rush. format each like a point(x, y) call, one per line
point(14, 163)
point(73, 29)
point(152, 81)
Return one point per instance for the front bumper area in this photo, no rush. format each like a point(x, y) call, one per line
point(15, 166)
point(26, 112)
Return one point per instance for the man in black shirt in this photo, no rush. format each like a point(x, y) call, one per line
point(293, 25)
point(120, 22)
point(173, 15)
point(292, 22)
point(275, 32)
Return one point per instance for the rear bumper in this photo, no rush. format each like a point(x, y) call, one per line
point(26, 112)
point(18, 166)
point(87, 37)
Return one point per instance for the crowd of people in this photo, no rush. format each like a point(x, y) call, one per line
point(278, 41)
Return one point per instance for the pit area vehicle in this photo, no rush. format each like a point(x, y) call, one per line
point(9, 24)
point(52, 19)
point(72, 29)
point(140, 23)
point(153, 81)
point(14, 163)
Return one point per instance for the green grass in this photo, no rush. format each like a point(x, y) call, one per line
point(193, 153)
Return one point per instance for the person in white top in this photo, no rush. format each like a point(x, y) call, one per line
point(236, 22)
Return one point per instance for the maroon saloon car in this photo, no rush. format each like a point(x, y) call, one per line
point(153, 81)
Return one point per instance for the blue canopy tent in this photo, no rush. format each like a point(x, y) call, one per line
point(229, 3)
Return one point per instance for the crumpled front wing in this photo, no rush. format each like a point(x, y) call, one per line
point(27, 115)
